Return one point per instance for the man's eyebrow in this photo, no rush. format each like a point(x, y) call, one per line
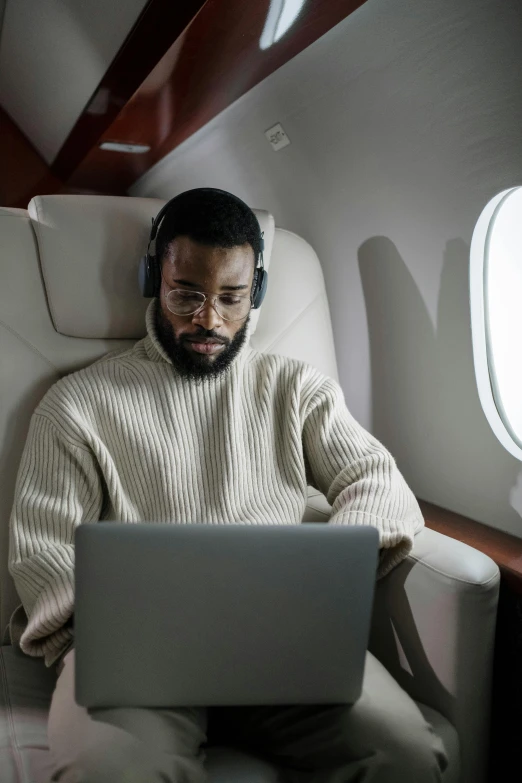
point(224, 287)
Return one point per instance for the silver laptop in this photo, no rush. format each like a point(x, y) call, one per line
point(171, 615)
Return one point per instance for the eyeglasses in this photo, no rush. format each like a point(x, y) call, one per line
point(229, 307)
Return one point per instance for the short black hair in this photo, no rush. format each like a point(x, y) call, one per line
point(211, 217)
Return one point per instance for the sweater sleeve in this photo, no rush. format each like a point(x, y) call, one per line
point(58, 487)
point(358, 476)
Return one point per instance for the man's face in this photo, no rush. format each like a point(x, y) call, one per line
point(203, 344)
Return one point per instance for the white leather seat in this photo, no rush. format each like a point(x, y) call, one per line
point(64, 302)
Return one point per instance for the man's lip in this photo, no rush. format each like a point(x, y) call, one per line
point(204, 340)
point(209, 347)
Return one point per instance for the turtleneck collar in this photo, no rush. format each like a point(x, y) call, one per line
point(157, 353)
point(153, 346)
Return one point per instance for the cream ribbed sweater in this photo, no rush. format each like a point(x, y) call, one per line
point(127, 439)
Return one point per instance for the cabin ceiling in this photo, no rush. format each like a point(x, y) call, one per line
point(149, 72)
point(53, 54)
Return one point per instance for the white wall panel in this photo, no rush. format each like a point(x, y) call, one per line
point(53, 55)
point(404, 120)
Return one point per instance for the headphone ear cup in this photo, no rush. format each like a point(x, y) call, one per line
point(148, 281)
point(156, 276)
point(260, 288)
point(143, 277)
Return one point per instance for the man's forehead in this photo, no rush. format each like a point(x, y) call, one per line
point(184, 253)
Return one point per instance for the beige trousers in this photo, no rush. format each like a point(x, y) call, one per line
point(383, 738)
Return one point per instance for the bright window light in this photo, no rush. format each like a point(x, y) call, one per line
point(280, 18)
point(496, 315)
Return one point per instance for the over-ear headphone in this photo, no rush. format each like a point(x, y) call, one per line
point(149, 272)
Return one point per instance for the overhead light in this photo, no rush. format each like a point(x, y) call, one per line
point(120, 146)
point(280, 18)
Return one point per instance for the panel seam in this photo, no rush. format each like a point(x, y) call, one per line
point(293, 323)
point(454, 578)
point(36, 225)
point(28, 344)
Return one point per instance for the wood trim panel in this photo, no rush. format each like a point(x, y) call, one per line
point(209, 64)
point(503, 548)
point(160, 23)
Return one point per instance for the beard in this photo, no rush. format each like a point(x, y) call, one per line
point(198, 367)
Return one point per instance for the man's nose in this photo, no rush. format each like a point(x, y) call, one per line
point(207, 317)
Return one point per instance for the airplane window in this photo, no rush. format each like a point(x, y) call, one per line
point(281, 16)
point(496, 315)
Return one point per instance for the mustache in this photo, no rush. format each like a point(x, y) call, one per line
point(205, 334)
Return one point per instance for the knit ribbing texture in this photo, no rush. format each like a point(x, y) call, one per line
point(127, 439)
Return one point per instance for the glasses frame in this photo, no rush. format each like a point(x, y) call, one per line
point(207, 295)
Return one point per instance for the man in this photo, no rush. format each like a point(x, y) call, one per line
point(192, 425)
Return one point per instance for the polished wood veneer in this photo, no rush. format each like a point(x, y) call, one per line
point(181, 65)
point(160, 24)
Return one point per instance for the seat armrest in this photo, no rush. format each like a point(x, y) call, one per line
point(433, 628)
point(317, 508)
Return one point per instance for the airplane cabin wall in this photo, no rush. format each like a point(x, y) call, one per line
point(404, 120)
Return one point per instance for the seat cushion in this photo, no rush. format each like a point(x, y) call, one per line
point(448, 734)
point(227, 765)
point(317, 507)
point(26, 688)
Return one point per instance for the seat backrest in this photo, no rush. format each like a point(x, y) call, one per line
point(64, 303)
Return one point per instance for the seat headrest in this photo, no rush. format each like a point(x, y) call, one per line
point(90, 248)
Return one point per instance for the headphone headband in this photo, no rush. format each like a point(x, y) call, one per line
point(156, 222)
point(149, 274)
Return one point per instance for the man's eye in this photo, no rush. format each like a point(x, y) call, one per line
point(229, 299)
point(188, 296)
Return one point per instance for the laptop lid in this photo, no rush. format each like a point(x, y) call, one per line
point(203, 615)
